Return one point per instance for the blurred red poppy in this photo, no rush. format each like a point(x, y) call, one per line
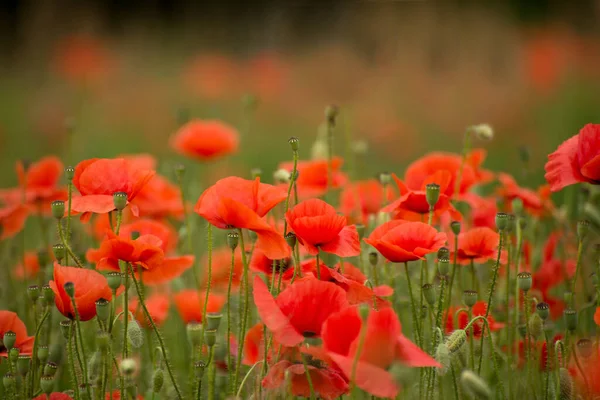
point(90, 286)
point(221, 268)
point(205, 140)
point(401, 241)
point(12, 220)
point(300, 310)
point(211, 76)
point(533, 201)
point(97, 179)
point(240, 203)
point(478, 245)
point(360, 199)
point(158, 308)
point(53, 396)
point(313, 176)
point(82, 59)
point(576, 160)
point(190, 304)
point(159, 198)
point(382, 345)
point(10, 322)
point(463, 319)
point(30, 268)
point(319, 227)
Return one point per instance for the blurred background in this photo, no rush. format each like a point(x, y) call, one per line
point(101, 78)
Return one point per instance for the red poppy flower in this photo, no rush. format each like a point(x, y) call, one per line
point(30, 268)
point(221, 268)
point(157, 305)
point(576, 160)
point(382, 345)
point(116, 395)
point(300, 310)
point(190, 304)
point(478, 245)
point(211, 76)
point(97, 179)
point(241, 203)
point(412, 204)
point(313, 175)
point(533, 201)
point(205, 140)
point(363, 198)
point(159, 198)
point(12, 220)
point(268, 75)
point(82, 59)
point(254, 345)
point(401, 241)
point(262, 264)
point(53, 396)
point(483, 210)
point(90, 286)
point(463, 319)
point(318, 226)
point(9, 321)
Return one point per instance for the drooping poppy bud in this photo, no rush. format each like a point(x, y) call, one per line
point(456, 340)
point(158, 379)
point(474, 385)
point(429, 293)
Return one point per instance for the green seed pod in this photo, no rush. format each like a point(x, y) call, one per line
point(48, 294)
point(13, 354)
point(103, 310)
point(43, 353)
point(543, 309)
point(69, 173)
point(58, 209)
point(70, 289)
point(432, 194)
point(199, 366)
point(525, 281)
point(59, 251)
point(501, 221)
point(536, 326)
point(47, 384)
point(456, 340)
point(442, 355)
point(213, 320)
point(9, 381)
point(443, 266)
point(233, 239)
point(50, 368)
point(291, 239)
point(443, 252)
point(429, 293)
point(583, 228)
point(585, 347)
point(65, 328)
point(294, 143)
point(158, 379)
point(33, 291)
point(114, 280)
point(373, 258)
point(9, 339)
point(567, 391)
point(194, 333)
point(135, 334)
point(469, 298)
point(455, 226)
point(120, 200)
point(571, 319)
point(210, 337)
point(23, 365)
point(474, 385)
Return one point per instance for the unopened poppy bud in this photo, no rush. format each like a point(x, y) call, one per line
point(360, 229)
point(483, 131)
point(583, 227)
point(442, 355)
point(158, 379)
point(58, 209)
point(517, 206)
point(331, 113)
point(455, 226)
point(474, 385)
point(47, 384)
point(429, 293)
point(294, 143)
point(469, 298)
point(213, 320)
point(443, 266)
point(114, 280)
point(291, 239)
point(282, 176)
point(103, 340)
point(95, 366)
point(456, 340)
point(568, 297)
point(69, 173)
point(50, 368)
point(135, 334)
point(256, 173)
point(525, 281)
point(23, 365)
point(9, 339)
point(571, 319)
point(536, 326)
point(443, 252)
point(65, 327)
point(432, 194)
point(194, 333)
point(48, 294)
point(199, 366)
point(43, 353)
point(69, 289)
point(120, 200)
point(566, 385)
point(233, 239)
point(385, 178)
point(9, 382)
point(585, 347)
point(373, 258)
point(128, 366)
point(543, 309)
point(501, 221)
point(59, 251)
point(103, 309)
point(33, 291)
point(210, 337)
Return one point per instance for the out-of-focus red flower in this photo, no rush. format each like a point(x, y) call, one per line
point(90, 286)
point(382, 345)
point(533, 201)
point(82, 59)
point(313, 175)
point(268, 76)
point(597, 316)
point(545, 61)
point(211, 76)
point(221, 268)
point(318, 226)
point(478, 245)
point(576, 160)
point(463, 319)
point(30, 268)
point(205, 140)
point(116, 395)
point(159, 198)
point(483, 210)
point(53, 396)
point(97, 179)
point(157, 305)
point(300, 310)
point(360, 199)
point(591, 369)
point(12, 220)
point(240, 203)
point(190, 304)
point(9, 321)
point(401, 241)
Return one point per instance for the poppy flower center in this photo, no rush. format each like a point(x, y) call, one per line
point(309, 334)
point(282, 265)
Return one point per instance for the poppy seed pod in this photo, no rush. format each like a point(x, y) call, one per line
point(536, 326)
point(33, 291)
point(213, 320)
point(543, 309)
point(456, 340)
point(385, 178)
point(23, 365)
point(256, 173)
point(65, 327)
point(429, 293)
point(9, 382)
point(571, 319)
point(9, 339)
point(474, 385)
point(58, 209)
point(69, 173)
point(233, 239)
point(43, 353)
point(50, 368)
point(47, 384)
point(469, 298)
point(69, 289)
point(199, 366)
point(48, 294)
point(583, 227)
point(120, 200)
point(210, 337)
point(294, 143)
point(517, 206)
point(443, 252)
point(501, 221)
point(432, 194)
point(373, 258)
point(194, 333)
point(443, 266)
point(114, 280)
point(585, 347)
point(525, 281)
point(455, 226)
point(59, 251)
point(291, 239)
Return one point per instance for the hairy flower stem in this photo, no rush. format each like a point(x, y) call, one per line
point(413, 305)
point(452, 277)
point(70, 351)
point(308, 377)
point(63, 240)
point(289, 191)
point(577, 268)
point(34, 354)
point(229, 365)
point(211, 373)
point(527, 340)
point(161, 342)
point(83, 359)
point(243, 322)
point(491, 294)
point(434, 335)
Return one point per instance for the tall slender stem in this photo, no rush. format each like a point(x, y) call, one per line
point(413, 305)
point(229, 365)
point(242, 332)
point(69, 202)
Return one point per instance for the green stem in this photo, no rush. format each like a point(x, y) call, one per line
point(67, 246)
point(239, 392)
point(75, 381)
point(292, 181)
point(318, 265)
point(527, 340)
point(452, 276)
point(211, 373)
point(229, 365)
point(242, 332)
point(471, 341)
point(119, 220)
point(35, 348)
point(209, 245)
point(78, 333)
point(577, 268)
point(69, 202)
point(308, 378)
point(413, 305)
point(361, 341)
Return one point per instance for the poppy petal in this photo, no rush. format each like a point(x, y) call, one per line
point(370, 378)
point(346, 244)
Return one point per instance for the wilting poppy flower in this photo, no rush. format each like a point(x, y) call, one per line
point(412, 204)
point(205, 140)
point(30, 268)
point(478, 245)
point(9, 321)
point(363, 198)
point(576, 160)
point(318, 226)
point(463, 319)
point(300, 310)
point(12, 220)
point(240, 203)
point(158, 308)
point(53, 396)
point(382, 345)
point(313, 175)
point(97, 179)
point(190, 304)
point(90, 286)
point(401, 241)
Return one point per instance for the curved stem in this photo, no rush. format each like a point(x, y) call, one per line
point(308, 378)
point(66, 244)
point(239, 392)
